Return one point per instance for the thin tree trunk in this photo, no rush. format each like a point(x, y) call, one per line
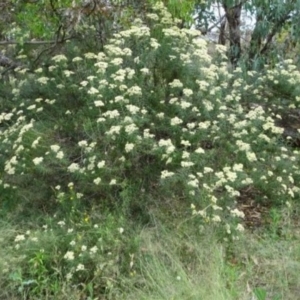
point(222, 34)
point(233, 16)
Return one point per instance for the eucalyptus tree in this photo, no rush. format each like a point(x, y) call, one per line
point(41, 28)
point(270, 18)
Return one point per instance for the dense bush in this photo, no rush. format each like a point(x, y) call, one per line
point(93, 141)
point(153, 113)
point(151, 120)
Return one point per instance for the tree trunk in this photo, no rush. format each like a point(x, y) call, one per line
point(233, 16)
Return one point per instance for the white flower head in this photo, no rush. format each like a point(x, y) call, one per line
point(237, 213)
point(101, 164)
point(94, 250)
point(176, 83)
point(80, 267)
point(37, 160)
point(73, 167)
point(129, 147)
point(240, 228)
point(97, 180)
point(20, 237)
point(166, 174)
point(60, 155)
point(176, 121)
point(83, 144)
point(59, 58)
point(69, 255)
point(187, 92)
point(98, 103)
point(55, 148)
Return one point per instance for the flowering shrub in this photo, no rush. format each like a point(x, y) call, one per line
point(153, 114)
point(154, 118)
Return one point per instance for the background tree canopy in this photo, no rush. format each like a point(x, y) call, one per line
point(41, 28)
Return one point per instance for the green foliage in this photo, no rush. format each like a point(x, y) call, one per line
point(61, 250)
point(59, 260)
point(153, 113)
point(268, 19)
point(95, 141)
point(92, 23)
point(260, 294)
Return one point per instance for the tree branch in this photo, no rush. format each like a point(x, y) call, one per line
point(204, 32)
point(277, 26)
point(4, 43)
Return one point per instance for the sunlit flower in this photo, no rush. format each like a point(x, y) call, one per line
point(98, 103)
point(166, 174)
point(43, 80)
point(20, 237)
point(207, 170)
point(176, 83)
point(83, 144)
point(176, 121)
point(193, 183)
point(76, 59)
point(111, 114)
point(31, 107)
point(145, 71)
point(59, 58)
point(134, 90)
point(97, 180)
point(216, 218)
point(68, 73)
point(37, 160)
point(69, 255)
point(80, 267)
point(240, 228)
point(60, 155)
point(90, 55)
point(251, 156)
point(113, 182)
point(73, 167)
point(94, 250)
point(187, 92)
point(129, 147)
point(54, 148)
point(153, 16)
point(117, 61)
point(186, 164)
point(101, 164)
point(93, 91)
point(237, 213)
point(200, 150)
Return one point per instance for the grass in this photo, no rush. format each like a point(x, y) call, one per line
point(171, 262)
point(177, 267)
